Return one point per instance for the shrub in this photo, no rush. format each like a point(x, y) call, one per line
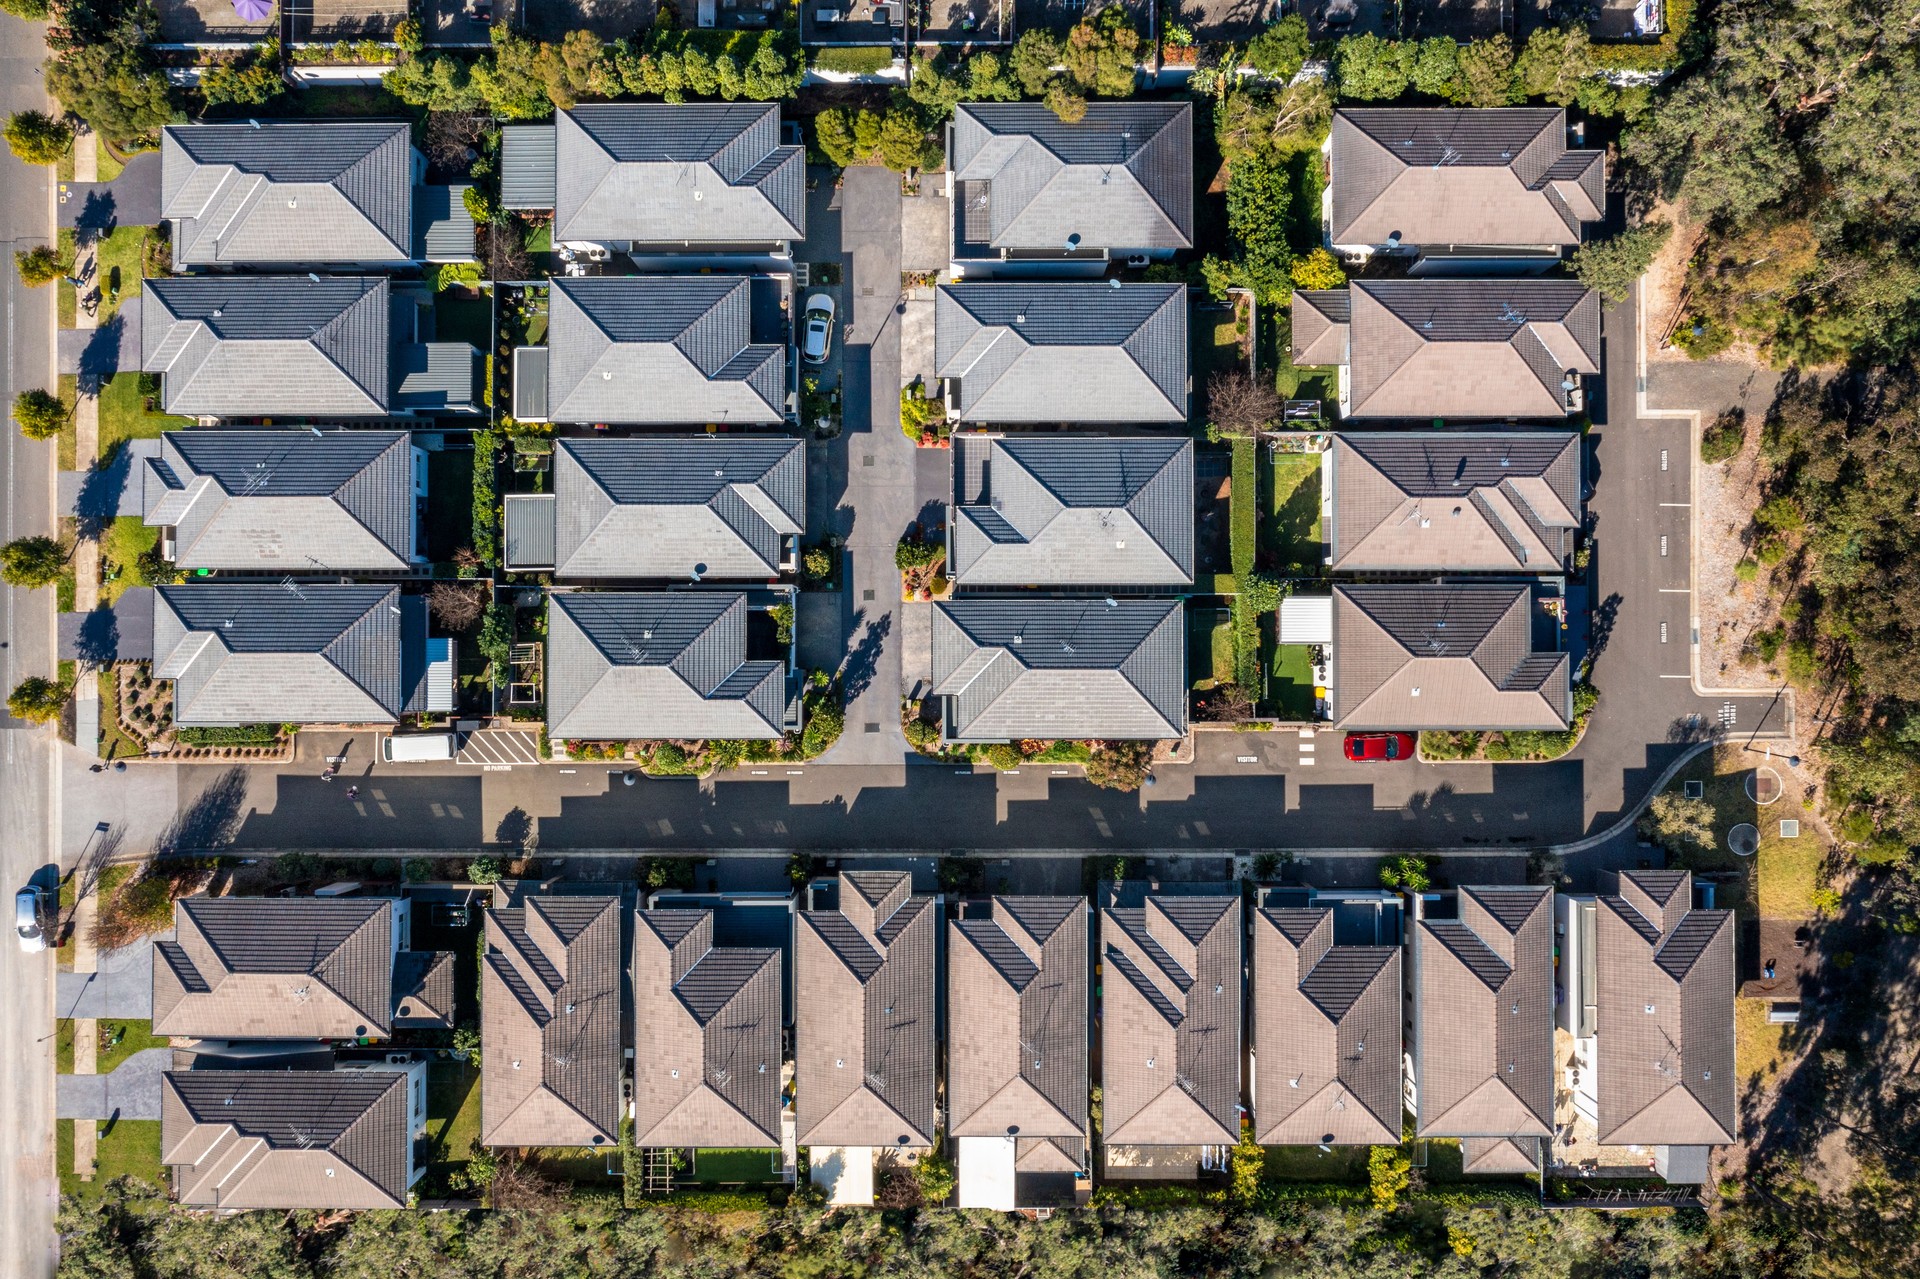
point(936, 1175)
point(1317, 270)
point(914, 552)
point(486, 503)
point(1803, 666)
point(782, 615)
point(918, 413)
point(484, 870)
point(922, 734)
point(1244, 531)
point(496, 640)
point(1765, 645)
point(1003, 756)
point(1677, 824)
point(1725, 438)
point(457, 274)
point(1281, 50)
point(1746, 570)
point(38, 138)
point(40, 266)
point(237, 735)
point(1119, 765)
point(1389, 1174)
point(1408, 871)
point(816, 564)
point(416, 870)
point(26, 10)
point(1702, 337)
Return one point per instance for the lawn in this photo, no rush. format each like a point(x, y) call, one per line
point(460, 319)
point(1209, 648)
point(133, 1037)
point(1310, 1163)
point(1759, 1048)
point(1291, 686)
point(130, 1148)
point(540, 239)
point(453, 1112)
point(449, 517)
point(124, 415)
point(1787, 870)
point(582, 1165)
point(119, 255)
point(121, 545)
point(63, 1046)
point(1293, 535)
point(716, 1167)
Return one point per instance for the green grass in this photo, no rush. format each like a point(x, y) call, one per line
point(1209, 648)
point(68, 390)
point(1293, 534)
point(131, 1148)
point(1310, 1163)
point(1290, 687)
point(63, 1046)
point(468, 320)
point(1759, 1047)
point(124, 415)
point(715, 1167)
point(582, 1165)
point(449, 519)
point(134, 1036)
point(1779, 880)
point(346, 99)
point(120, 250)
point(121, 546)
point(453, 1112)
point(540, 239)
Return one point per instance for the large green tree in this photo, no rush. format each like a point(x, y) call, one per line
point(38, 138)
point(39, 413)
point(32, 561)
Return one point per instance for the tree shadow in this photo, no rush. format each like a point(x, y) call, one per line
point(864, 658)
point(1600, 627)
point(516, 830)
point(99, 213)
point(97, 643)
point(210, 821)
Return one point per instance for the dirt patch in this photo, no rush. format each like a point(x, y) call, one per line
point(1731, 610)
point(1665, 288)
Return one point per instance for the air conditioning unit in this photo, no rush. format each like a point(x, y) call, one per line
point(399, 1059)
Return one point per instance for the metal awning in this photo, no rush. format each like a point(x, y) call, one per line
point(1306, 619)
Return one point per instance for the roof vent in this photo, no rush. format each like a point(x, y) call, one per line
point(1649, 1010)
point(1149, 1063)
point(674, 1074)
point(839, 1063)
point(516, 1065)
point(1415, 692)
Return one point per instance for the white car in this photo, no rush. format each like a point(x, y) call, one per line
point(816, 329)
point(28, 922)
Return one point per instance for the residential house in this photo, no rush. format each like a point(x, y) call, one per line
point(551, 981)
point(1326, 1032)
point(1477, 188)
point(1170, 1034)
point(656, 350)
point(1646, 998)
point(1053, 351)
point(1481, 1035)
point(1017, 1064)
point(1032, 190)
point(652, 178)
point(293, 1139)
point(864, 1036)
point(1424, 349)
point(1474, 502)
point(1016, 668)
point(715, 508)
point(671, 664)
point(287, 501)
point(1063, 511)
point(1452, 655)
point(287, 653)
point(286, 968)
point(707, 1044)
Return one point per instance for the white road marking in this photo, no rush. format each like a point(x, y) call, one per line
point(1685, 506)
point(1306, 761)
point(1248, 759)
point(1676, 590)
point(1676, 677)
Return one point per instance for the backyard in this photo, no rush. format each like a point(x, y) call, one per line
point(449, 516)
point(730, 1167)
point(459, 318)
point(122, 543)
point(1209, 648)
point(453, 1115)
point(1292, 539)
point(1290, 683)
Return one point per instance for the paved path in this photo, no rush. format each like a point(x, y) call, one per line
point(132, 1091)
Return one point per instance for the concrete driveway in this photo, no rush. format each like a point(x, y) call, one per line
point(132, 199)
point(122, 987)
point(131, 1091)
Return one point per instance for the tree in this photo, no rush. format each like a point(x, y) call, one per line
point(1317, 270)
point(438, 83)
point(39, 414)
point(1609, 267)
point(515, 80)
point(833, 134)
point(37, 700)
point(38, 138)
point(903, 139)
point(1554, 63)
point(1486, 72)
point(247, 81)
point(1248, 1165)
point(115, 86)
point(1032, 61)
point(1677, 824)
point(1281, 50)
point(1065, 103)
point(26, 10)
point(1371, 69)
point(457, 607)
point(40, 265)
point(1239, 404)
point(936, 1175)
point(1407, 871)
point(1120, 765)
point(1436, 67)
point(32, 561)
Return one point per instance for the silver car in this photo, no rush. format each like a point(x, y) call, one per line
point(29, 918)
point(816, 329)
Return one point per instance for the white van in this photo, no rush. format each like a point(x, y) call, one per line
point(417, 748)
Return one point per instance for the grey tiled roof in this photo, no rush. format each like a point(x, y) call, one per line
point(284, 500)
point(1121, 178)
point(1072, 510)
point(1483, 1047)
point(276, 968)
point(1452, 655)
point(707, 1036)
point(707, 172)
point(665, 508)
point(627, 664)
point(1326, 1033)
point(287, 1138)
point(1483, 501)
point(1439, 176)
point(864, 1004)
point(1017, 1054)
point(551, 979)
point(245, 653)
point(660, 349)
point(1007, 669)
point(306, 192)
point(1664, 1030)
point(263, 345)
point(1049, 351)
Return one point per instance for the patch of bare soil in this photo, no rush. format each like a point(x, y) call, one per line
point(1665, 291)
point(1731, 610)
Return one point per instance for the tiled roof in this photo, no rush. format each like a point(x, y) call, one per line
point(1170, 1021)
point(1483, 1044)
point(1664, 1034)
point(423, 991)
point(1482, 501)
point(1072, 511)
point(550, 991)
point(267, 345)
point(1017, 1006)
point(1008, 669)
point(1326, 1033)
point(660, 349)
point(287, 1138)
point(276, 968)
point(707, 172)
point(1454, 655)
point(707, 1036)
point(281, 193)
point(1438, 176)
point(285, 500)
point(264, 653)
point(1119, 178)
point(864, 1015)
point(1499, 1156)
point(1054, 351)
point(722, 507)
point(627, 664)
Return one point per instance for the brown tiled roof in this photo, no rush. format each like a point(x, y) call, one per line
point(276, 968)
point(1508, 1156)
point(1483, 1010)
point(550, 986)
point(1017, 998)
point(1482, 501)
point(1170, 1021)
point(1326, 1033)
point(286, 1139)
point(1438, 176)
point(1322, 323)
point(707, 1047)
point(423, 989)
point(1665, 1070)
point(863, 1012)
point(1453, 655)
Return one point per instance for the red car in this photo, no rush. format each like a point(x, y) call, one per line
point(1366, 747)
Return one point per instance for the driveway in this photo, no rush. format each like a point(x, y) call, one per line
point(132, 199)
point(132, 1091)
point(122, 988)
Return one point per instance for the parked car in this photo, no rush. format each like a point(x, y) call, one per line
point(816, 329)
point(29, 918)
point(1369, 747)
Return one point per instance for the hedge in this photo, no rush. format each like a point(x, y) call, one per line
point(486, 502)
point(1245, 506)
point(243, 735)
point(862, 61)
